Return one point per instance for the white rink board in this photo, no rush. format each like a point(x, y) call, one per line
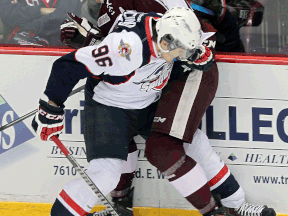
point(246, 123)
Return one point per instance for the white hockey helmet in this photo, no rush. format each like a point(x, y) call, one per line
point(180, 28)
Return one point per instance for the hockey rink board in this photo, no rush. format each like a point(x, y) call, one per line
point(246, 124)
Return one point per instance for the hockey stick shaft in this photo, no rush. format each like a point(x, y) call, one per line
point(35, 111)
point(202, 9)
point(85, 177)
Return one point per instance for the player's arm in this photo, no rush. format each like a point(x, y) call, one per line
point(65, 74)
point(228, 39)
point(105, 59)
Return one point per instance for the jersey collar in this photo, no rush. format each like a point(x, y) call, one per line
point(149, 34)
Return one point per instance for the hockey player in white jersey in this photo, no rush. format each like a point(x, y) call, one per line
point(120, 94)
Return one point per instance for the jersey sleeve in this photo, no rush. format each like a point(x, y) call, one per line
point(208, 37)
point(118, 54)
point(65, 74)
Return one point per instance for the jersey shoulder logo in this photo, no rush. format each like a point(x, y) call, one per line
point(124, 50)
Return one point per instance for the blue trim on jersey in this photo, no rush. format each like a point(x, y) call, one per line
point(202, 9)
point(116, 80)
point(59, 208)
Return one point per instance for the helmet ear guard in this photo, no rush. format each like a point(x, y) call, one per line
point(172, 43)
point(168, 38)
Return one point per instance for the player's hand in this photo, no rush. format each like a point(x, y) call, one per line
point(202, 59)
point(68, 32)
point(83, 25)
point(48, 121)
point(86, 28)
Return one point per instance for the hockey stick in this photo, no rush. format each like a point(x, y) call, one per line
point(35, 111)
point(85, 177)
point(202, 9)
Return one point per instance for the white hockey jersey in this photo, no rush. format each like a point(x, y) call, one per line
point(131, 75)
point(123, 70)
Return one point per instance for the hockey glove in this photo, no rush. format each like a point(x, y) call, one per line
point(48, 121)
point(69, 32)
point(202, 59)
point(92, 34)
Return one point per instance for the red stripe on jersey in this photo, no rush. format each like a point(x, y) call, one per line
point(96, 77)
point(72, 204)
point(148, 22)
point(219, 176)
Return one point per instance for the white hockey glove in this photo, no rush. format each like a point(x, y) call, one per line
point(202, 59)
point(92, 34)
point(48, 121)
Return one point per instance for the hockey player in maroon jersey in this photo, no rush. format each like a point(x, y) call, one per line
point(221, 181)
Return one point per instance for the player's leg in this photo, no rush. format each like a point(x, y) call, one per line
point(181, 108)
point(215, 170)
point(107, 133)
point(221, 181)
point(122, 195)
point(77, 199)
point(167, 154)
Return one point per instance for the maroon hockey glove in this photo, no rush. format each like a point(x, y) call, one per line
point(68, 32)
point(48, 121)
point(92, 34)
point(202, 59)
